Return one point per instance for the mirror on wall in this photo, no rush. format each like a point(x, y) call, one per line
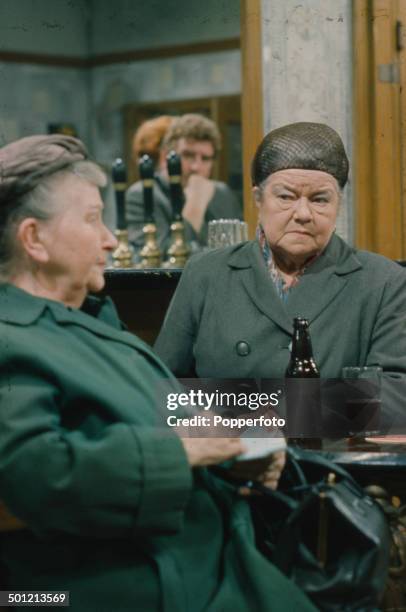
point(83, 65)
point(224, 110)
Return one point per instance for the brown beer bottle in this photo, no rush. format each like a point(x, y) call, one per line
point(301, 364)
point(303, 410)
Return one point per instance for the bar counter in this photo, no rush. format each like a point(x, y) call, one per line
point(142, 298)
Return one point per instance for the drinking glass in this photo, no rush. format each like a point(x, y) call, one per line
point(362, 401)
point(226, 232)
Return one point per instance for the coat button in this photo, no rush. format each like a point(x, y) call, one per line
point(242, 348)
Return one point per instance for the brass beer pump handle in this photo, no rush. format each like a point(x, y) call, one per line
point(178, 251)
point(151, 256)
point(123, 254)
point(150, 253)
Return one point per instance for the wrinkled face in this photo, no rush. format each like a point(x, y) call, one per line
point(298, 211)
point(75, 238)
point(197, 157)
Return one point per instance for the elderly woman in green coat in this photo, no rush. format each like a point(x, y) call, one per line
point(120, 512)
point(232, 313)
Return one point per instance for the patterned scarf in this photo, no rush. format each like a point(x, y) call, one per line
point(282, 286)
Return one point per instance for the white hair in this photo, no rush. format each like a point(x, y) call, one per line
point(39, 203)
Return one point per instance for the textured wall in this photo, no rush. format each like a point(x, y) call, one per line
point(184, 77)
point(33, 96)
point(132, 24)
point(58, 27)
point(191, 76)
point(307, 65)
point(140, 24)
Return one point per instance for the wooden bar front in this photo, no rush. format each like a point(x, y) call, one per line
point(142, 298)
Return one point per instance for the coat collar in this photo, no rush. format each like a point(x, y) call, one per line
point(97, 314)
point(18, 306)
point(321, 282)
point(22, 308)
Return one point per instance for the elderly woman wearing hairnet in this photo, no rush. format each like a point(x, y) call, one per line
point(113, 509)
point(231, 316)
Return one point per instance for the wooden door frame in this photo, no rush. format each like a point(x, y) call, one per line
point(251, 99)
point(378, 150)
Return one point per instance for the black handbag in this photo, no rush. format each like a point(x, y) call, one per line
point(325, 533)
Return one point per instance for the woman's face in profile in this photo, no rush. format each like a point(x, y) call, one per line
point(75, 239)
point(298, 211)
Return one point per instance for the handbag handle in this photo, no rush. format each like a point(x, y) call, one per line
point(317, 459)
point(288, 501)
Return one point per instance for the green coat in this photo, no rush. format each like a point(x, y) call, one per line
point(114, 512)
point(355, 302)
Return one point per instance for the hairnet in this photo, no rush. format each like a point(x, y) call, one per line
point(307, 146)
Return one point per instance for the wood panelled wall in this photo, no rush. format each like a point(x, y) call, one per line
point(379, 125)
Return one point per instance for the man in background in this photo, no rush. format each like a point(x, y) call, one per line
point(196, 139)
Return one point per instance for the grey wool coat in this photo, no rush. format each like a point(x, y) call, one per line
point(113, 511)
point(355, 302)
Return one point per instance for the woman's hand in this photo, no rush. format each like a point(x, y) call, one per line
point(270, 477)
point(211, 451)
